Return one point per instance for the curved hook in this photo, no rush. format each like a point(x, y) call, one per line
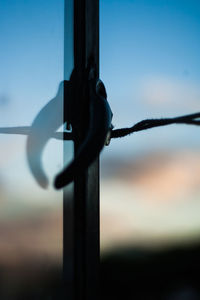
point(48, 120)
point(100, 118)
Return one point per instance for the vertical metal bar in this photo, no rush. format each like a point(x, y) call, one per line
point(68, 203)
point(84, 212)
point(86, 189)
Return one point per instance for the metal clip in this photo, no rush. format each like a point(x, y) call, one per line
point(98, 134)
point(100, 118)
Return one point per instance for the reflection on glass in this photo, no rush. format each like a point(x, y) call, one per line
point(32, 42)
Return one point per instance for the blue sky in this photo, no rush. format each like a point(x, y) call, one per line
point(31, 56)
point(142, 43)
point(150, 65)
point(31, 60)
point(150, 36)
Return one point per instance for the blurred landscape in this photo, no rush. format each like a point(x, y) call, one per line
point(151, 201)
point(149, 226)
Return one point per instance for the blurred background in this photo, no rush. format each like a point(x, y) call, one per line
point(150, 181)
point(31, 60)
point(150, 65)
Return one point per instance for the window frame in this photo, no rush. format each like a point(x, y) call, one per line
point(81, 255)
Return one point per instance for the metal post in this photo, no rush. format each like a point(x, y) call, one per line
point(81, 253)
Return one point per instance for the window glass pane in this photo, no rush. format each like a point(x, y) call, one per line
point(32, 67)
point(150, 185)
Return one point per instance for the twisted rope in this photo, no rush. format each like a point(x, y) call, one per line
point(192, 119)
